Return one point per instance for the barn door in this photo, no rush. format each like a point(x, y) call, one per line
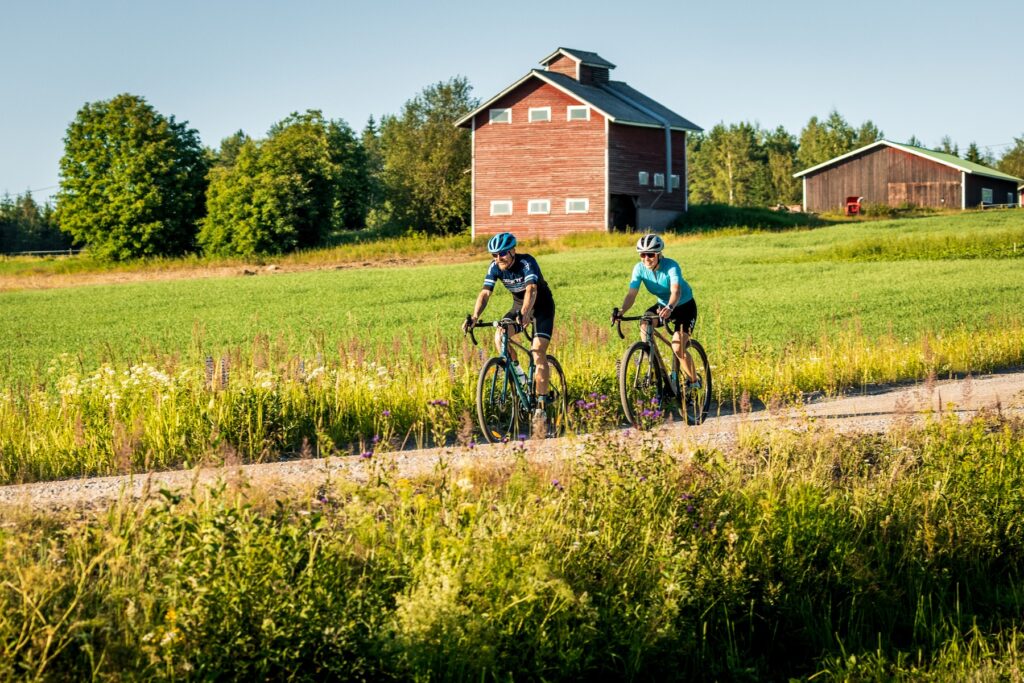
point(622, 212)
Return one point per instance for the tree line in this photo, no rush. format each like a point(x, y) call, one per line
point(136, 183)
point(744, 165)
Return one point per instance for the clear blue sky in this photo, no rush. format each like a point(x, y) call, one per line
point(914, 68)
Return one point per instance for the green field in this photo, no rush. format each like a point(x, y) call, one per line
point(98, 379)
point(766, 289)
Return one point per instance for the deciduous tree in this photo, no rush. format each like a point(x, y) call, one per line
point(133, 181)
point(427, 159)
point(289, 191)
point(1013, 161)
point(727, 166)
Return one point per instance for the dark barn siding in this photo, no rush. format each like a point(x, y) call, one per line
point(1000, 189)
point(632, 149)
point(884, 175)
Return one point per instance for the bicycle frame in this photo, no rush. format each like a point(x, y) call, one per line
point(650, 339)
point(523, 389)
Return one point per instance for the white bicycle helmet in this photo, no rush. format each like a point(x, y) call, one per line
point(650, 242)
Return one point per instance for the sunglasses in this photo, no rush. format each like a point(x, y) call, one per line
point(648, 254)
point(503, 254)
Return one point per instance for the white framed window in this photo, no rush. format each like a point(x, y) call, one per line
point(675, 182)
point(501, 115)
point(576, 112)
point(501, 207)
point(659, 180)
point(540, 114)
point(577, 205)
point(538, 206)
point(643, 178)
point(986, 195)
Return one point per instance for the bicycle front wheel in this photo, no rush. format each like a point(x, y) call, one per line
point(496, 401)
point(641, 387)
point(698, 394)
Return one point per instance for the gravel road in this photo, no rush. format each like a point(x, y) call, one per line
point(872, 411)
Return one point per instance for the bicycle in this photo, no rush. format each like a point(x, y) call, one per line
point(648, 390)
point(505, 400)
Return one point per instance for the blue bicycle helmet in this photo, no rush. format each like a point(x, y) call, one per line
point(503, 241)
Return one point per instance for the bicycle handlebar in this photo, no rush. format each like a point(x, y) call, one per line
point(619, 319)
point(469, 326)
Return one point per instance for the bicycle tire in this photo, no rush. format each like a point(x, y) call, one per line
point(698, 401)
point(497, 404)
point(642, 388)
point(557, 407)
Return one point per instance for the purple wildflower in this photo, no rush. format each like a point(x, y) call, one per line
point(386, 413)
point(366, 455)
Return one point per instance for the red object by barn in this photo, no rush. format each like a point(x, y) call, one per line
point(565, 149)
point(853, 205)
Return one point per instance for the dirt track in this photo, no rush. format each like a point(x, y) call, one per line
point(873, 411)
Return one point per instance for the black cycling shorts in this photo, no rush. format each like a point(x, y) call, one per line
point(684, 316)
point(543, 316)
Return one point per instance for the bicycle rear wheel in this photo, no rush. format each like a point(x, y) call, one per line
point(497, 405)
point(557, 407)
point(697, 398)
point(641, 387)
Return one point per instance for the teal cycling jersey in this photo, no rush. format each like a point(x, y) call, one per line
point(660, 280)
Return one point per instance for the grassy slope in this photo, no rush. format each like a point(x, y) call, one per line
point(770, 289)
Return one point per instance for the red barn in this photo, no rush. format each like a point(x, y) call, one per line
point(566, 149)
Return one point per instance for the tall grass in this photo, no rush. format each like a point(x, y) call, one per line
point(808, 554)
point(265, 403)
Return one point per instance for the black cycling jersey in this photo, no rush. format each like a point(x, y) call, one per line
point(523, 271)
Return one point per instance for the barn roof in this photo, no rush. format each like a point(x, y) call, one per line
point(940, 157)
point(588, 58)
point(615, 100)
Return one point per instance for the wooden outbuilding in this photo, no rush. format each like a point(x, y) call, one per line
point(896, 174)
point(566, 149)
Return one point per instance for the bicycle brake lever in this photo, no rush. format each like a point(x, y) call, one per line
point(469, 329)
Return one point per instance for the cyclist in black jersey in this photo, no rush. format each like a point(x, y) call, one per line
point(531, 301)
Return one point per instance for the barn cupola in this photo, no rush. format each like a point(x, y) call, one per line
point(585, 67)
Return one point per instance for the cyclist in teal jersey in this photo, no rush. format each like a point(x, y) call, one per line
point(676, 306)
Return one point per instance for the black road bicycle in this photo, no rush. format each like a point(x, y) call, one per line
point(506, 400)
point(649, 389)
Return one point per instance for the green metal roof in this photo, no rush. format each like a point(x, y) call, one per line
point(953, 160)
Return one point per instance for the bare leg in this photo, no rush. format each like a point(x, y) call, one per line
point(679, 341)
point(540, 359)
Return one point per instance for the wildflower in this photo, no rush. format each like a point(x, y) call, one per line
point(386, 413)
point(376, 439)
point(366, 455)
point(439, 402)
